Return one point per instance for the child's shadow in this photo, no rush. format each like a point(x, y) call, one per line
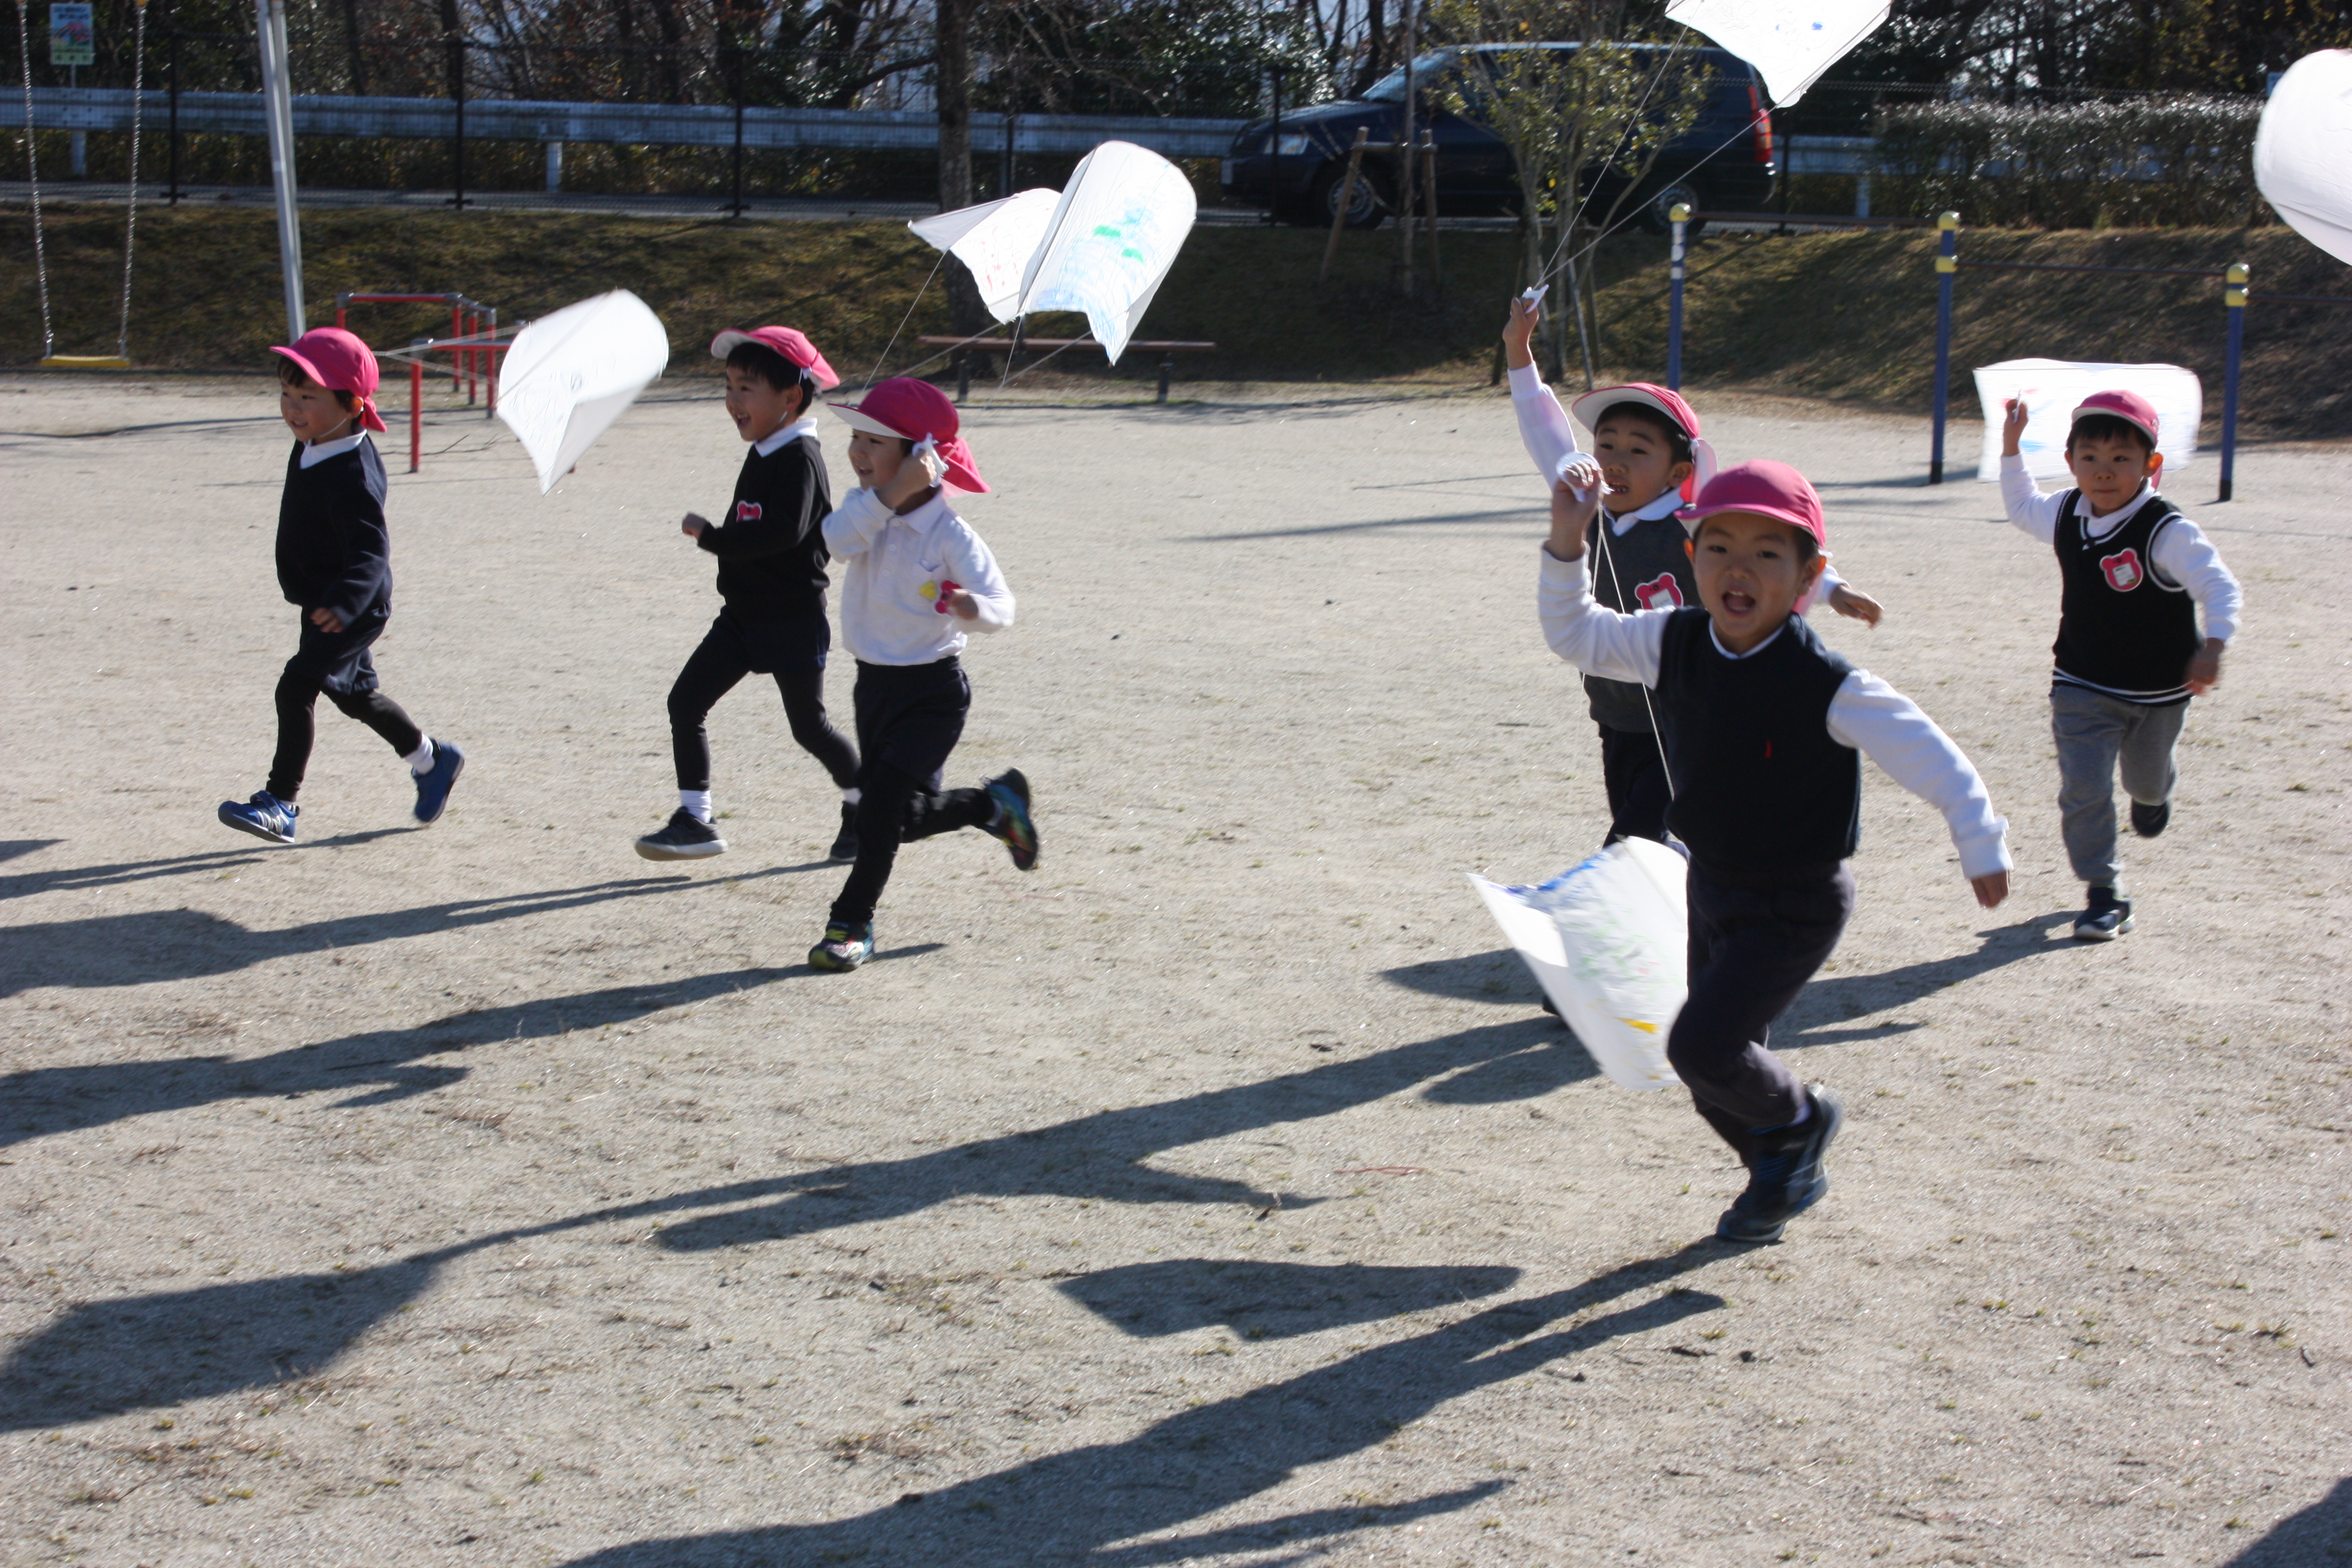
point(1839, 997)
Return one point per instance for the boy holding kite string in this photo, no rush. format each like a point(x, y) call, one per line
point(1649, 461)
point(772, 580)
point(334, 563)
point(1763, 728)
point(2129, 657)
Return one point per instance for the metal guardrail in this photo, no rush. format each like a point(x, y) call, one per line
point(625, 124)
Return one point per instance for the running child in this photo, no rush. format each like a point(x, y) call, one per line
point(1649, 459)
point(771, 582)
point(2129, 657)
point(1763, 728)
point(334, 563)
point(916, 582)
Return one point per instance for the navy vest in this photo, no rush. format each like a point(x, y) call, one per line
point(1760, 789)
point(2122, 630)
point(1649, 563)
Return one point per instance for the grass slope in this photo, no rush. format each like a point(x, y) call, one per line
point(1843, 317)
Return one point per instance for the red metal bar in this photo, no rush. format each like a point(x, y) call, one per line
point(456, 361)
point(490, 403)
point(415, 413)
point(338, 315)
point(473, 359)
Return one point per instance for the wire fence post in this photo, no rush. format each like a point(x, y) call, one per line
point(2233, 298)
point(1679, 215)
point(1948, 251)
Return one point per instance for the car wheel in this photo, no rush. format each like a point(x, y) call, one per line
point(1368, 202)
point(1657, 201)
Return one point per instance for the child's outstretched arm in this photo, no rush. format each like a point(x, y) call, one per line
point(982, 601)
point(2184, 556)
point(1874, 718)
point(1843, 597)
point(1544, 428)
point(2028, 509)
point(1587, 634)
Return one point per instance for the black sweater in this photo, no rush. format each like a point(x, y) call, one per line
point(770, 548)
point(333, 551)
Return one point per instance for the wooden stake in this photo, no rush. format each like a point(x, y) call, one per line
point(1347, 199)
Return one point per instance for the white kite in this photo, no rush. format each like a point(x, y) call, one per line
point(2303, 150)
point(1122, 219)
point(571, 375)
point(996, 240)
point(1790, 42)
point(2054, 388)
point(1608, 942)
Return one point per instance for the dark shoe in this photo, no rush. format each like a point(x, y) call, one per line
point(433, 783)
point(684, 836)
point(1013, 824)
point(846, 946)
point(845, 843)
point(2147, 821)
point(2108, 918)
point(264, 816)
point(1786, 1179)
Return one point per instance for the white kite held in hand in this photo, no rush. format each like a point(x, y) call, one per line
point(1608, 942)
point(995, 240)
point(2300, 150)
point(568, 375)
point(1790, 42)
point(2054, 388)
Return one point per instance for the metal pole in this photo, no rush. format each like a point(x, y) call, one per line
point(491, 370)
point(736, 209)
point(457, 177)
point(1405, 150)
point(173, 199)
point(1679, 215)
point(1948, 251)
point(415, 402)
point(269, 17)
point(2233, 297)
point(456, 330)
point(1429, 205)
point(1274, 141)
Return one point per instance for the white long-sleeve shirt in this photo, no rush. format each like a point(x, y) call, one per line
point(1550, 440)
point(897, 572)
point(2181, 556)
point(1866, 714)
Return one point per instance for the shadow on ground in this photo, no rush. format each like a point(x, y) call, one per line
point(1090, 1505)
point(1270, 1300)
point(2321, 1533)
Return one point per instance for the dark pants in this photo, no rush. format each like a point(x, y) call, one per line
point(336, 663)
point(1751, 951)
point(793, 652)
point(910, 717)
point(1635, 770)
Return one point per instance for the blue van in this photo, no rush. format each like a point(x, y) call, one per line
point(1294, 166)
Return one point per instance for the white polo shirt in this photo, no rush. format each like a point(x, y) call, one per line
point(896, 572)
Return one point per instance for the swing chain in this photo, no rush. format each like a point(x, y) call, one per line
point(33, 173)
point(131, 221)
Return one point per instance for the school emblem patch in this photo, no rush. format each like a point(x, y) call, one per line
point(1660, 592)
point(747, 511)
point(2122, 570)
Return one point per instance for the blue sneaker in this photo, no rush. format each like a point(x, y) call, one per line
point(433, 785)
point(1013, 824)
point(264, 816)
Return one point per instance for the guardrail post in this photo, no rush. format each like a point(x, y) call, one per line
point(2233, 298)
point(416, 403)
point(1948, 251)
point(1679, 215)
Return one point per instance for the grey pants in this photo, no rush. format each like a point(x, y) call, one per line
point(2097, 736)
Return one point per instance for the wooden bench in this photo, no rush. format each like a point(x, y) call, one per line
point(1166, 349)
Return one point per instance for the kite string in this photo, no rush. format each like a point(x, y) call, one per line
point(910, 316)
point(1601, 530)
point(1664, 59)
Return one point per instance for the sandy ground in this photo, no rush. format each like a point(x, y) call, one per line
point(1214, 1193)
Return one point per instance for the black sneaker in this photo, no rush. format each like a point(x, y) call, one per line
point(2108, 918)
point(1787, 1178)
point(2147, 821)
point(844, 945)
point(845, 843)
point(1013, 825)
point(684, 836)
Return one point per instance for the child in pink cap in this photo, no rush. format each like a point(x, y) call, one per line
point(1648, 460)
point(2129, 655)
point(334, 563)
point(918, 580)
point(1763, 729)
point(771, 582)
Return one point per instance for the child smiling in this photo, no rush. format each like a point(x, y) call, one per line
point(1762, 729)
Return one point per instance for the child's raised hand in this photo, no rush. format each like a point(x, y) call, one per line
point(1571, 515)
point(1990, 888)
point(2012, 426)
point(693, 525)
point(1854, 602)
point(1519, 332)
point(920, 471)
point(2205, 667)
point(1581, 472)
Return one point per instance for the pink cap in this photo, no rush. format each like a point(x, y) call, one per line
point(337, 361)
point(1588, 409)
point(911, 410)
point(1765, 488)
point(2128, 406)
point(788, 341)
